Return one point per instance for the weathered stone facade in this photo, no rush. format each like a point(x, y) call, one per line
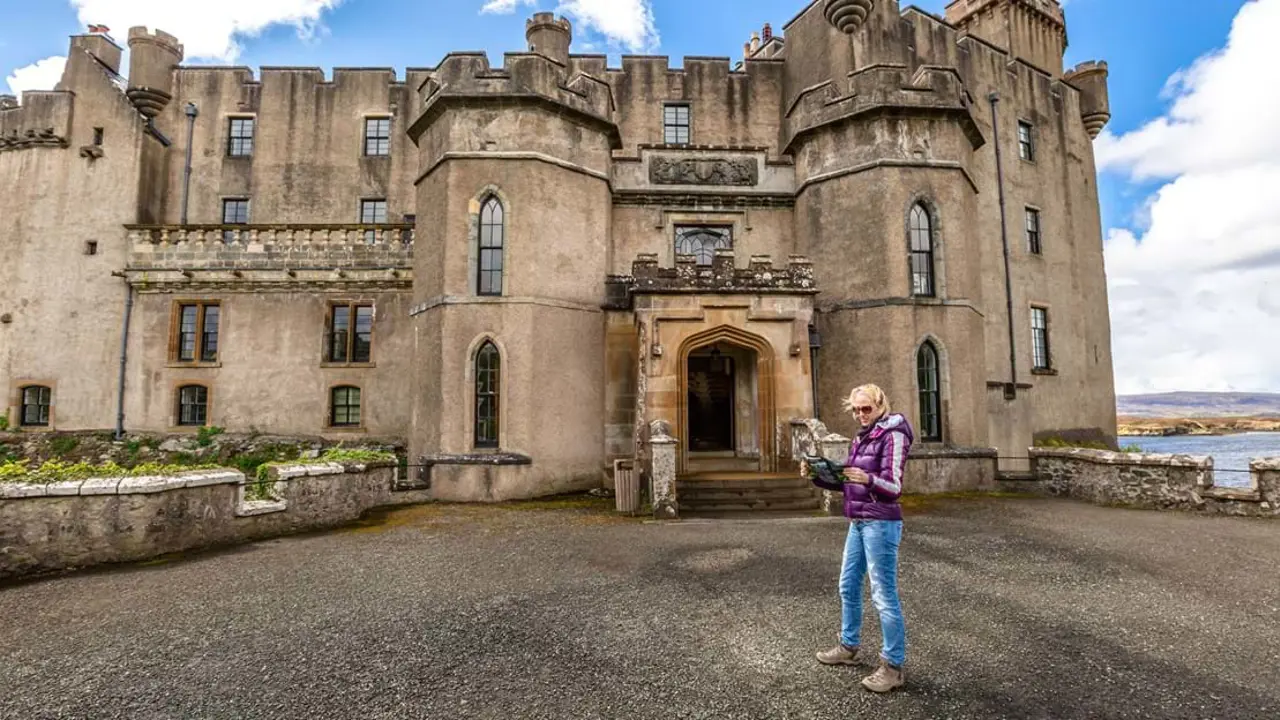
point(554, 253)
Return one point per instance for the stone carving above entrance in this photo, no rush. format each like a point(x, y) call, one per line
point(704, 171)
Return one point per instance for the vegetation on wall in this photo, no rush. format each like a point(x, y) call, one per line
point(4, 422)
point(1057, 442)
point(51, 471)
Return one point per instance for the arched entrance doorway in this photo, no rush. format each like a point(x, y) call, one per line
point(726, 402)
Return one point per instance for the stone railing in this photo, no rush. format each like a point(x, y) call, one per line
point(1162, 482)
point(722, 276)
point(163, 247)
point(130, 519)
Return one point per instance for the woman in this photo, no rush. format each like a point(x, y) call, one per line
point(872, 487)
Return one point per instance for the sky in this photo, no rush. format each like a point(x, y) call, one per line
point(1189, 166)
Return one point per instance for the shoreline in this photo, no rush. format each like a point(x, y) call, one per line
point(1130, 426)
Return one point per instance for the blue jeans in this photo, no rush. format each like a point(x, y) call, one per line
point(873, 544)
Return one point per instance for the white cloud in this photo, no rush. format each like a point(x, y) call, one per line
point(207, 30)
point(627, 24)
point(1195, 289)
point(40, 75)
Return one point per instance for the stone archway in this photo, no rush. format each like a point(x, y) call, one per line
point(746, 345)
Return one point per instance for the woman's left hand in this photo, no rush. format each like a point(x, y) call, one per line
point(856, 476)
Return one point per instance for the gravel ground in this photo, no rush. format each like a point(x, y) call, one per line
point(1015, 608)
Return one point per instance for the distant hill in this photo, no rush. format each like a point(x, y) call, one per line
point(1199, 404)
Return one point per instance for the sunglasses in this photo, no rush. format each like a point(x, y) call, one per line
point(864, 410)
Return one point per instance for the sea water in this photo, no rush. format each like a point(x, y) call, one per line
point(1231, 453)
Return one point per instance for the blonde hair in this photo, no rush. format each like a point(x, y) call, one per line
point(873, 393)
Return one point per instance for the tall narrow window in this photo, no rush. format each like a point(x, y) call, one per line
point(36, 400)
point(922, 283)
point(1026, 141)
point(196, 336)
point(1040, 357)
point(675, 124)
point(377, 136)
point(929, 379)
point(193, 405)
point(235, 211)
point(492, 235)
point(1033, 231)
point(344, 407)
point(406, 235)
point(488, 371)
point(702, 241)
point(372, 212)
point(351, 334)
point(240, 137)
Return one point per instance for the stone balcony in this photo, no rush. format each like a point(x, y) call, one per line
point(366, 255)
point(721, 277)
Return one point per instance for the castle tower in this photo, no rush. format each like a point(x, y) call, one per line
point(152, 59)
point(1032, 30)
point(1095, 102)
point(549, 36)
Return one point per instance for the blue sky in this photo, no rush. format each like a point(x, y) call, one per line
point(1146, 42)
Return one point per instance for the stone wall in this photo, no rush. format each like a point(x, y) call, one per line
point(932, 470)
point(83, 523)
point(1157, 482)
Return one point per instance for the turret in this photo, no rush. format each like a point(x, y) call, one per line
point(1095, 102)
point(1034, 31)
point(847, 16)
point(152, 59)
point(549, 36)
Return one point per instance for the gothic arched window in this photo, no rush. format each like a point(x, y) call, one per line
point(702, 241)
point(929, 377)
point(922, 280)
point(489, 258)
point(488, 366)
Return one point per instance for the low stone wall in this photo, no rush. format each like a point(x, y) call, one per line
point(943, 470)
point(105, 520)
point(1158, 482)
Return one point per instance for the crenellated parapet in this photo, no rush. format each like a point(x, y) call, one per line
point(467, 80)
point(1090, 78)
point(152, 60)
point(721, 277)
point(929, 90)
point(42, 121)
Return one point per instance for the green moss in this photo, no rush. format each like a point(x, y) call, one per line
point(343, 455)
point(20, 471)
point(1057, 442)
point(63, 444)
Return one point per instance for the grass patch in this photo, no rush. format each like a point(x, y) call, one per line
point(205, 435)
point(61, 445)
point(20, 471)
point(4, 422)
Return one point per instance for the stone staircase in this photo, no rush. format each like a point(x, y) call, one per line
point(711, 493)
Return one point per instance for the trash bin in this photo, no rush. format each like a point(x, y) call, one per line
point(626, 486)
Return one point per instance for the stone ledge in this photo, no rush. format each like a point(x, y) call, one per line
point(476, 459)
point(1231, 493)
point(1265, 464)
point(951, 453)
point(252, 508)
point(1107, 457)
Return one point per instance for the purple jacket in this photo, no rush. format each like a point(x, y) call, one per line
point(881, 452)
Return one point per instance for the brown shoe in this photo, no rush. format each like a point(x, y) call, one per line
point(839, 655)
point(885, 678)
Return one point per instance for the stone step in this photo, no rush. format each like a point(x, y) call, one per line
point(688, 493)
point(746, 482)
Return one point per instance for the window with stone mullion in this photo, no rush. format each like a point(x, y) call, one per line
point(36, 400)
point(930, 382)
point(922, 265)
point(490, 251)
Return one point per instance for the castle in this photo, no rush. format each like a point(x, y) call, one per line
point(518, 269)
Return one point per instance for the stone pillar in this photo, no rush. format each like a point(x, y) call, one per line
point(1266, 477)
point(836, 449)
point(662, 453)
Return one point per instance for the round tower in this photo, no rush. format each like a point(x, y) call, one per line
point(1095, 101)
point(549, 36)
point(152, 59)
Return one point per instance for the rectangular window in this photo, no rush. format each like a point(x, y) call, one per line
point(377, 136)
point(240, 137)
point(1033, 231)
point(36, 400)
point(234, 212)
point(1040, 358)
point(344, 407)
point(193, 405)
point(406, 235)
point(351, 334)
point(196, 336)
point(97, 136)
point(675, 124)
point(372, 212)
point(1026, 141)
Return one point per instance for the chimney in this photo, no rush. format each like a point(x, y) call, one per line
point(755, 42)
point(768, 32)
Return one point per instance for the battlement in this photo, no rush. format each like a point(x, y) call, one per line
point(960, 12)
point(468, 79)
point(879, 88)
point(548, 20)
point(1087, 67)
point(141, 35)
point(42, 121)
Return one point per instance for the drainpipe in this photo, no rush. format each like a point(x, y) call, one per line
point(815, 344)
point(124, 354)
point(1012, 391)
point(191, 112)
